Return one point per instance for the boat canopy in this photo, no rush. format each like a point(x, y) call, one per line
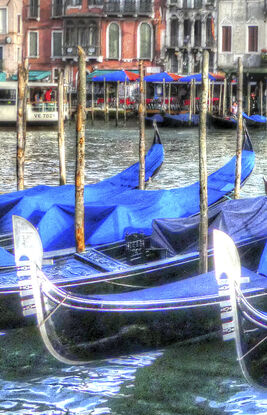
point(242, 219)
point(109, 220)
point(255, 117)
point(33, 203)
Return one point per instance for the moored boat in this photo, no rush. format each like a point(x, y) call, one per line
point(219, 121)
point(181, 120)
point(242, 320)
point(34, 202)
point(169, 255)
point(77, 328)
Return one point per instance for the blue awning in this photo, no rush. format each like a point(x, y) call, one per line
point(197, 77)
point(2, 76)
point(35, 76)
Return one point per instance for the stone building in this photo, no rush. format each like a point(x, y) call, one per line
point(242, 32)
point(11, 35)
point(190, 28)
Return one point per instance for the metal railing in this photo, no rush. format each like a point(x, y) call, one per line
point(72, 50)
point(128, 7)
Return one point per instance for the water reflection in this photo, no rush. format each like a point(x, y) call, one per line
point(25, 388)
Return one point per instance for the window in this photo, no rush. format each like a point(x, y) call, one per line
point(34, 9)
point(95, 2)
point(145, 41)
point(57, 43)
point(19, 23)
point(3, 21)
point(74, 3)
point(33, 44)
point(113, 41)
point(19, 55)
point(1, 58)
point(57, 8)
point(253, 38)
point(174, 32)
point(226, 38)
point(55, 74)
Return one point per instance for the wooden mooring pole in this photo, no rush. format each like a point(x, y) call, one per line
point(239, 129)
point(61, 132)
point(92, 103)
point(203, 193)
point(142, 144)
point(117, 103)
point(21, 122)
point(80, 153)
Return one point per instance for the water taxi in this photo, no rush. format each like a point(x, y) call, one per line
point(42, 105)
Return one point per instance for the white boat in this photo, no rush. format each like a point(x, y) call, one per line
point(42, 105)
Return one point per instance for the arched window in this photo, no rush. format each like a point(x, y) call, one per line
point(174, 32)
point(145, 41)
point(113, 41)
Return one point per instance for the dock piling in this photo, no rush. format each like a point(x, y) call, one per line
point(80, 153)
point(239, 129)
point(21, 122)
point(61, 132)
point(141, 129)
point(203, 193)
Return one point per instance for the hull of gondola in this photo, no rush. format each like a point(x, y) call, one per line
point(253, 347)
point(180, 120)
point(222, 122)
point(81, 328)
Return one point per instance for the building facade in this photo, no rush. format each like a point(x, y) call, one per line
point(242, 32)
point(190, 28)
point(11, 35)
point(115, 34)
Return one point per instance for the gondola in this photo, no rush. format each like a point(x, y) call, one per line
point(168, 255)
point(109, 219)
point(219, 121)
point(117, 265)
point(180, 120)
point(78, 328)
point(255, 120)
point(33, 203)
point(242, 320)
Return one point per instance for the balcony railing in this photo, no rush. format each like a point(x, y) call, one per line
point(72, 51)
point(128, 7)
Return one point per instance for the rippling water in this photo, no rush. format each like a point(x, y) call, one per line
point(30, 380)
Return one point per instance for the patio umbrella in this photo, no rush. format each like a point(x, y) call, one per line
point(197, 77)
point(161, 76)
point(115, 76)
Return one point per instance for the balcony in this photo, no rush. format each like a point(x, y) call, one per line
point(71, 52)
point(128, 7)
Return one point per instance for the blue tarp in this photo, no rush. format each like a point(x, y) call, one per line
point(197, 77)
point(33, 203)
point(160, 77)
point(242, 219)
point(181, 119)
point(256, 118)
point(109, 220)
point(116, 76)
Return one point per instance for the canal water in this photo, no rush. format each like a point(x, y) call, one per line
point(197, 378)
